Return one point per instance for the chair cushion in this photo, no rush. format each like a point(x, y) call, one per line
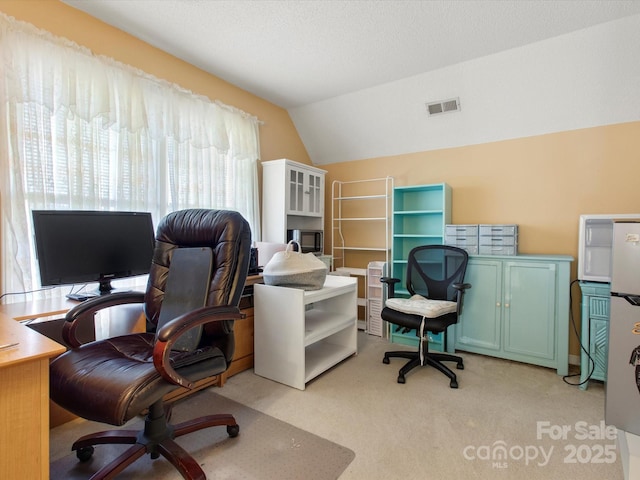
point(120, 374)
point(419, 305)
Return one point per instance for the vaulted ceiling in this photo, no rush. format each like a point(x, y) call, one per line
point(298, 53)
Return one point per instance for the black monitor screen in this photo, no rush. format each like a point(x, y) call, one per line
point(81, 246)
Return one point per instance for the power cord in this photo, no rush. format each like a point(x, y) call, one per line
point(80, 289)
point(24, 293)
point(592, 363)
point(27, 322)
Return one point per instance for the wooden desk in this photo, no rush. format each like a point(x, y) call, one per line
point(243, 353)
point(37, 308)
point(24, 400)
point(24, 382)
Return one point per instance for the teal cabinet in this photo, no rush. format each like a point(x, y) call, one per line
point(482, 301)
point(595, 332)
point(529, 310)
point(420, 213)
point(518, 309)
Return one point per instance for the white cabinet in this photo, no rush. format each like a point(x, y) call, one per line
point(299, 334)
point(376, 296)
point(306, 191)
point(292, 198)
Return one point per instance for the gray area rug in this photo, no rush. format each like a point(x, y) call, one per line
point(266, 447)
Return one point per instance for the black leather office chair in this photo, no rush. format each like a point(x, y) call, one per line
point(435, 276)
point(116, 379)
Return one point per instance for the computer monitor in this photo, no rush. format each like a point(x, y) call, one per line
point(83, 246)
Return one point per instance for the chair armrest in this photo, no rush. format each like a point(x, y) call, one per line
point(88, 308)
point(460, 287)
point(172, 330)
point(391, 285)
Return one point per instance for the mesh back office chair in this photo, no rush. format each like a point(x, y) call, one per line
point(116, 379)
point(435, 276)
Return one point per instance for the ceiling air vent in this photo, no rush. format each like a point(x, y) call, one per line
point(444, 106)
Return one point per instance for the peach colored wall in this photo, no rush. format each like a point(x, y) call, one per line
point(541, 183)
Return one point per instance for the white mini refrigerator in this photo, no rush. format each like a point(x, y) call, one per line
point(622, 390)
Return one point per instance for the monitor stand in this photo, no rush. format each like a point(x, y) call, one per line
point(104, 288)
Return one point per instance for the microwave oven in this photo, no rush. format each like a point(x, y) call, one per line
point(310, 241)
point(595, 244)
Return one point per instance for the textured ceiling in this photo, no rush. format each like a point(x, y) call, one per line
point(295, 53)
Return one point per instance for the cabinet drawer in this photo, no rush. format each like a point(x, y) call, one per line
point(374, 293)
point(511, 230)
point(498, 240)
point(461, 230)
point(497, 250)
point(375, 272)
point(470, 249)
point(461, 240)
point(375, 308)
point(599, 307)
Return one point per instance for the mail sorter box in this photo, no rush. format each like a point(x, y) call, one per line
point(497, 250)
point(461, 230)
point(470, 249)
point(462, 236)
point(470, 244)
point(498, 239)
point(461, 241)
point(511, 230)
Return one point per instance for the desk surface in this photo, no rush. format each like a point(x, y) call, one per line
point(31, 345)
point(37, 308)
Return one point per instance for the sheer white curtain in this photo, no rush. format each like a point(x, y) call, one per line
point(79, 131)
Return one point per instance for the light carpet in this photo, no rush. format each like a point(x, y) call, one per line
point(424, 430)
point(266, 447)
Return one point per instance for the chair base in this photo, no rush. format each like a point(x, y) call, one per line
point(156, 439)
point(433, 359)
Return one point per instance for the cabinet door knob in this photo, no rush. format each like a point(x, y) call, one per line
point(497, 304)
point(506, 305)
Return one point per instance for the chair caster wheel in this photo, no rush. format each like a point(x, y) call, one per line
point(233, 430)
point(401, 379)
point(453, 384)
point(386, 360)
point(460, 366)
point(84, 453)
